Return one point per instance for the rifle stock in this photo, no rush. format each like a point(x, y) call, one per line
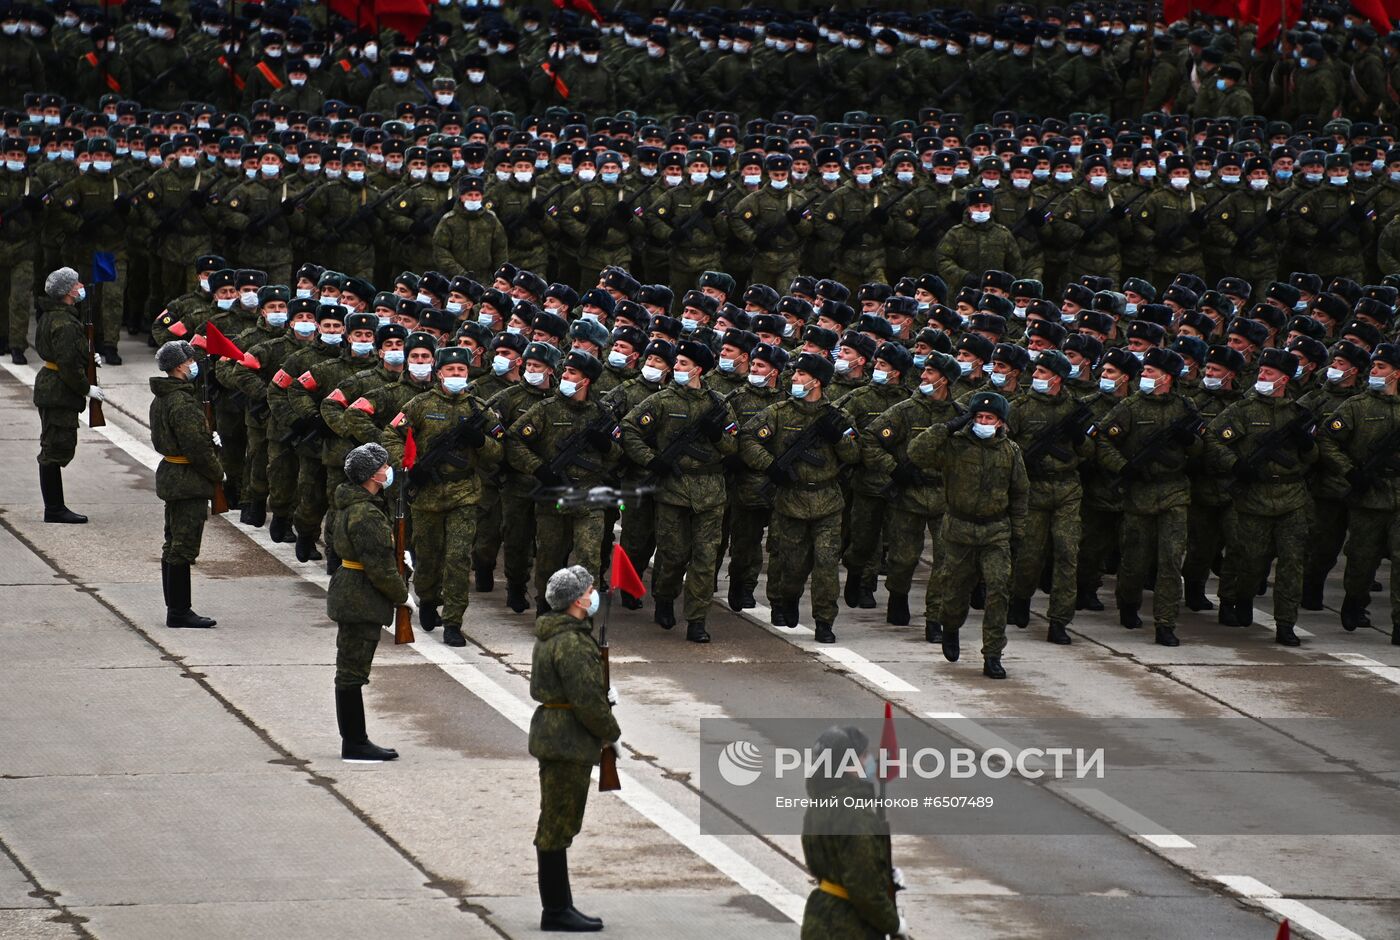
point(607, 759)
point(218, 503)
point(95, 417)
point(403, 616)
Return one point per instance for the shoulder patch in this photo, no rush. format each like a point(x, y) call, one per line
point(399, 419)
point(527, 430)
point(1114, 430)
point(748, 213)
point(645, 419)
point(578, 208)
point(1227, 433)
point(660, 210)
point(233, 203)
point(831, 216)
point(1336, 424)
point(70, 202)
point(403, 203)
point(765, 432)
point(887, 433)
point(151, 195)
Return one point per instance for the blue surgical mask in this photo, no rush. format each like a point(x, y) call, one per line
point(275, 320)
point(332, 339)
point(1147, 384)
point(455, 385)
point(194, 370)
point(393, 357)
point(420, 370)
point(919, 361)
point(226, 303)
point(388, 477)
point(880, 377)
point(865, 179)
point(799, 390)
point(1108, 386)
point(362, 349)
point(964, 367)
point(984, 431)
point(726, 364)
point(568, 388)
point(689, 326)
point(500, 365)
point(1041, 385)
point(303, 328)
point(609, 178)
point(1375, 382)
point(1130, 309)
point(681, 377)
point(997, 378)
point(619, 361)
point(926, 388)
point(593, 604)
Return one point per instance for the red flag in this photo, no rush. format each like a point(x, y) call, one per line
point(1275, 16)
point(410, 450)
point(406, 16)
point(217, 344)
point(1284, 932)
point(585, 7)
point(625, 576)
point(359, 12)
point(1376, 12)
point(889, 746)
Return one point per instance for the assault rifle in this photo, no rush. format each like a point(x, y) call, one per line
point(1041, 212)
point(684, 442)
point(362, 214)
point(1382, 458)
point(1047, 442)
point(403, 615)
point(771, 229)
point(1188, 425)
point(800, 450)
point(445, 449)
point(571, 451)
point(1246, 238)
point(1117, 213)
point(26, 204)
point(1270, 448)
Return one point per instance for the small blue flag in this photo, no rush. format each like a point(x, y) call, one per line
point(104, 267)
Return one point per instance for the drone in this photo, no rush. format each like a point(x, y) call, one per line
point(593, 497)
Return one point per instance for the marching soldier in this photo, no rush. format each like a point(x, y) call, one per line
point(1208, 517)
point(363, 593)
point(185, 480)
point(22, 194)
point(94, 206)
point(639, 522)
point(750, 508)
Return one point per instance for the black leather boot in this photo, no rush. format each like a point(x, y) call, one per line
point(428, 617)
point(1284, 635)
point(1229, 615)
point(1196, 596)
point(777, 616)
point(51, 486)
point(695, 632)
point(306, 548)
point(516, 599)
point(355, 745)
point(452, 635)
point(254, 513)
point(1354, 613)
point(824, 632)
point(951, 651)
point(1058, 634)
point(630, 602)
point(897, 610)
point(852, 593)
point(665, 615)
point(1312, 594)
point(1166, 636)
point(1018, 611)
point(1128, 616)
point(933, 631)
point(1088, 599)
point(556, 898)
point(177, 600)
point(485, 580)
point(280, 529)
point(110, 356)
point(992, 668)
point(231, 493)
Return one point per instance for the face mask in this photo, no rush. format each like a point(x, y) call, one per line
point(997, 378)
point(1335, 375)
point(536, 379)
point(609, 178)
point(355, 176)
point(393, 357)
point(419, 370)
point(1202, 175)
point(269, 170)
point(1375, 382)
point(567, 388)
point(984, 431)
point(681, 377)
point(843, 366)
point(991, 184)
point(830, 177)
point(751, 179)
point(332, 339)
point(965, 367)
point(1148, 172)
point(1212, 382)
point(187, 163)
point(1098, 182)
point(652, 374)
point(303, 328)
point(1258, 185)
point(275, 320)
point(1041, 385)
point(441, 176)
point(1147, 384)
point(14, 166)
point(1313, 177)
point(593, 602)
point(1179, 182)
point(1229, 179)
point(586, 176)
point(194, 368)
point(980, 216)
point(880, 377)
point(1020, 183)
point(248, 298)
point(362, 349)
point(1337, 180)
point(798, 390)
point(1108, 386)
point(865, 179)
point(455, 385)
point(779, 185)
point(788, 330)
point(1064, 176)
point(1130, 309)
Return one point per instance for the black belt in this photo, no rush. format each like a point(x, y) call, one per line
point(977, 520)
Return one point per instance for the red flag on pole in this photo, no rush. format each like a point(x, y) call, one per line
point(1376, 12)
point(1275, 16)
point(217, 344)
point(410, 450)
point(625, 576)
point(1284, 931)
point(406, 16)
point(585, 7)
point(889, 746)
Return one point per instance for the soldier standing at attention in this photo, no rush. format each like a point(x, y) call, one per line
point(61, 388)
point(987, 491)
point(571, 726)
point(363, 592)
point(186, 477)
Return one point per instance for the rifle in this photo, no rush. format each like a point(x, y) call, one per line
point(1194, 219)
point(520, 218)
point(1115, 214)
point(1041, 211)
point(571, 450)
point(698, 215)
point(1364, 475)
point(305, 430)
point(1047, 442)
point(1150, 452)
point(799, 450)
point(425, 468)
point(1246, 238)
point(769, 230)
point(429, 220)
point(403, 616)
point(934, 229)
point(361, 214)
point(607, 759)
point(1268, 448)
point(23, 204)
point(683, 442)
point(1347, 219)
point(286, 207)
point(218, 503)
point(95, 416)
point(159, 80)
point(168, 219)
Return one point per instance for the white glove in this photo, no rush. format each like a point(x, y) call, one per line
point(897, 876)
point(903, 930)
point(616, 746)
point(218, 441)
point(411, 604)
point(612, 696)
point(96, 394)
point(97, 360)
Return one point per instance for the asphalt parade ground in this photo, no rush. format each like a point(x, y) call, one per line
point(157, 783)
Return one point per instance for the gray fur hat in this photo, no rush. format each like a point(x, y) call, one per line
point(362, 462)
point(173, 354)
point(59, 283)
point(567, 585)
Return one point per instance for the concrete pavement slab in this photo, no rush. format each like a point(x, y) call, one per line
point(344, 919)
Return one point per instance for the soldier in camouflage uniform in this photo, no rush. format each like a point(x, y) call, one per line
point(977, 244)
point(806, 526)
point(1265, 441)
point(576, 427)
point(1364, 430)
point(258, 215)
point(986, 487)
point(445, 492)
point(470, 239)
point(854, 219)
point(750, 508)
point(175, 219)
point(639, 521)
point(244, 393)
point(1209, 516)
point(1102, 514)
point(1049, 426)
point(1152, 435)
point(93, 207)
point(337, 217)
point(601, 217)
point(21, 194)
point(363, 593)
point(506, 350)
point(775, 221)
point(61, 389)
point(185, 480)
point(917, 505)
point(570, 728)
point(691, 493)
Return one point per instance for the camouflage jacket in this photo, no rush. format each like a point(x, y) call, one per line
point(511, 403)
point(60, 338)
point(567, 670)
point(1351, 437)
point(984, 482)
point(366, 417)
point(431, 415)
point(362, 532)
point(864, 405)
point(848, 846)
point(884, 445)
point(768, 436)
point(1132, 425)
point(745, 483)
point(335, 406)
point(550, 426)
point(696, 480)
point(256, 385)
point(1055, 476)
point(178, 430)
point(1278, 485)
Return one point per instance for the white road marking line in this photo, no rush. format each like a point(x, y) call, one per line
point(660, 813)
point(1127, 817)
point(1388, 673)
point(1297, 912)
point(863, 667)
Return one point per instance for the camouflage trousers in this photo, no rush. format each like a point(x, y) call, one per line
point(1373, 533)
point(17, 294)
point(1144, 537)
point(1050, 535)
point(1206, 526)
point(801, 546)
point(687, 549)
point(964, 565)
point(865, 536)
point(354, 653)
point(282, 470)
point(254, 480)
point(518, 534)
point(564, 538)
point(564, 790)
point(746, 528)
point(1326, 536)
point(488, 528)
point(58, 436)
point(905, 531)
point(639, 532)
point(1098, 543)
point(311, 501)
point(775, 270)
point(233, 437)
point(442, 549)
point(1254, 541)
point(184, 530)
